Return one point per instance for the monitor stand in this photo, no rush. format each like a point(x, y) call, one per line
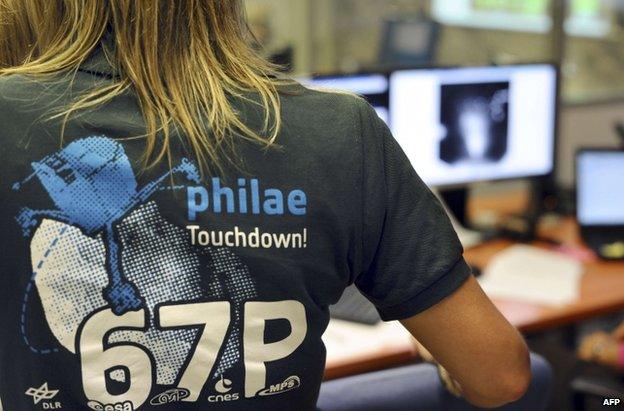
point(521, 227)
point(455, 202)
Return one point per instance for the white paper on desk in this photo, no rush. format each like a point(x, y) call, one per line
point(345, 340)
point(533, 275)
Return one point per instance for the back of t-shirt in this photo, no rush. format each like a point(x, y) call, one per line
point(126, 288)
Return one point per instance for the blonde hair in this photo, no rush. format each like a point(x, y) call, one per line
point(185, 60)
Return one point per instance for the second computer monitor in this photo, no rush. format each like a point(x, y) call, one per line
point(465, 125)
point(373, 87)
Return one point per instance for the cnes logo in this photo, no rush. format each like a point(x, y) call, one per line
point(290, 383)
point(223, 388)
point(611, 402)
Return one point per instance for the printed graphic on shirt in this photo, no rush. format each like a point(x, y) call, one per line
point(141, 305)
point(223, 391)
point(290, 383)
point(42, 393)
point(247, 197)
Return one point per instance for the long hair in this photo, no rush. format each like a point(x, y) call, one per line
point(186, 61)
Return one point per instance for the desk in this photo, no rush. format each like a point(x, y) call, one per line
point(602, 292)
point(357, 348)
point(602, 286)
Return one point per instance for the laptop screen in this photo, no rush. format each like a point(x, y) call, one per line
point(600, 189)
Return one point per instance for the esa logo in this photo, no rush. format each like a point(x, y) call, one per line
point(120, 406)
point(290, 383)
point(223, 387)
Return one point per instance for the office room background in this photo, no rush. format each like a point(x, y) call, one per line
point(329, 36)
point(512, 112)
point(325, 42)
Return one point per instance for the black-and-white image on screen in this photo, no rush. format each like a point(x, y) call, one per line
point(470, 124)
point(476, 120)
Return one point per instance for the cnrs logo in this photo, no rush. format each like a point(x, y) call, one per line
point(612, 402)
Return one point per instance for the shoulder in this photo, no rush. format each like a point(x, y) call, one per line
point(11, 91)
point(21, 91)
point(21, 96)
point(16, 89)
point(10, 83)
point(17, 99)
point(25, 105)
point(326, 111)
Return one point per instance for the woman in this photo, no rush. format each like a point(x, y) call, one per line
point(176, 221)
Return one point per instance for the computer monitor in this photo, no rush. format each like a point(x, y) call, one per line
point(471, 124)
point(373, 87)
point(600, 193)
point(408, 42)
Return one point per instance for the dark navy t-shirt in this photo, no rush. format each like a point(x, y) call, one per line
point(132, 288)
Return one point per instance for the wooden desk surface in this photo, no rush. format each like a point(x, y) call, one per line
point(602, 292)
point(356, 348)
point(602, 285)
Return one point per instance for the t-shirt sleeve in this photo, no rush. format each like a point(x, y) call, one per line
point(412, 258)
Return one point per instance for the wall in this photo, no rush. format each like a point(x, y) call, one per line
point(333, 34)
point(583, 126)
point(290, 22)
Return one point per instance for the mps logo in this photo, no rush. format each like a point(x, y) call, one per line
point(104, 245)
point(289, 384)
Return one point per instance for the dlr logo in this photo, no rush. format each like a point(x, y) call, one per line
point(97, 356)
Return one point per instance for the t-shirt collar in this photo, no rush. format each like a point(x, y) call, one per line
point(99, 61)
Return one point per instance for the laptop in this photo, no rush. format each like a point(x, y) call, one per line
point(600, 200)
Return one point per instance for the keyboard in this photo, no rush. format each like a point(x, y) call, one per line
point(354, 307)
